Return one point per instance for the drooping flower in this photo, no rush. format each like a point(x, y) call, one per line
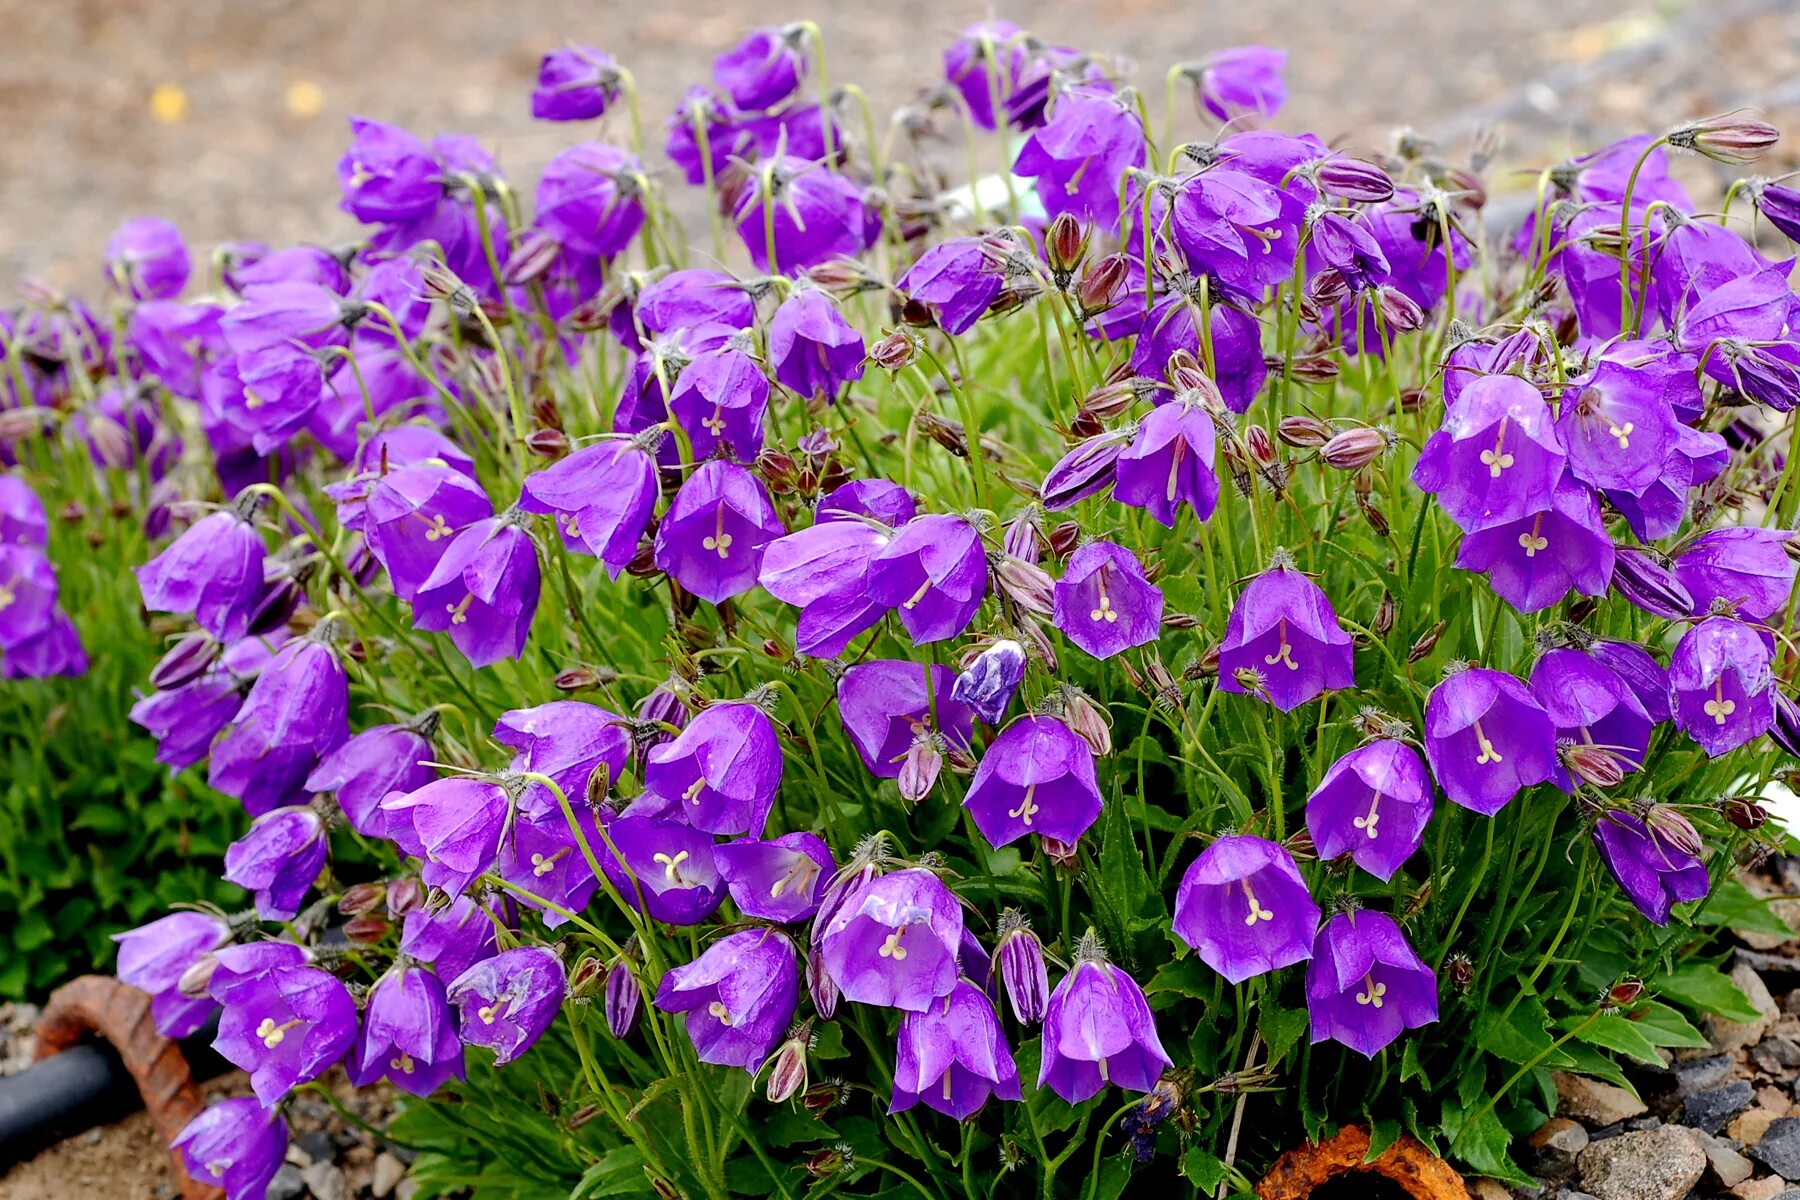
point(1170, 463)
point(721, 772)
point(413, 513)
point(1078, 155)
point(213, 571)
point(543, 856)
point(379, 760)
point(574, 83)
point(590, 198)
point(1269, 926)
point(1365, 985)
point(569, 741)
point(278, 860)
point(453, 824)
point(387, 175)
point(987, 684)
point(1104, 602)
point(147, 260)
point(814, 351)
point(1745, 565)
point(452, 939)
point(22, 519)
point(1236, 232)
point(1497, 458)
point(824, 570)
point(955, 279)
point(236, 1144)
point(1242, 80)
point(669, 867)
point(1487, 739)
point(154, 957)
point(720, 399)
point(1088, 469)
point(953, 1056)
point(1534, 561)
point(702, 135)
point(484, 590)
point(1373, 804)
point(1037, 777)
point(983, 64)
point(409, 1033)
point(712, 538)
point(763, 69)
point(1283, 637)
point(1649, 868)
point(602, 495)
point(297, 711)
point(1592, 709)
point(286, 1027)
point(1098, 1029)
point(1617, 428)
point(934, 571)
point(886, 705)
point(1237, 354)
point(739, 997)
point(184, 719)
point(780, 880)
point(796, 214)
point(28, 594)
point(1721, 687)
point(893, 941)
point(506, 1002)
point(1643, 579)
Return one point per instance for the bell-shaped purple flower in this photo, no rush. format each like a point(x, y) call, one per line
point(1170, 463)
point(893, 941)
point(412, 514)
point(987, 685)
point(953, 1056)
point(1244, 80)
point(22, 519)
point(739, 997)
point(1650, 868)
point(720, 399)
point(1721, 688)
point(147, 260)
point(286, 1027)
point(1592, 709)
point(824, 570)
point(1498, 456)
point(814, 351)
point(781, 880)
point(1104, 603)
point(185, 719)
point(237, 1145)
point(379, 760)
point(886, 705)
point(454, 825)
point(408, 1035)
point(1618, 428)
point(1283, 641)
point(984, 64)
point(1037, 777)
point(1697, 457)
point(1237, 232)
point(569, 741)
point(712, 538)
point(154, 957)
point(1244, 908)
point(1365, 985)
point(297, 712)
point(484, 591)
point(542, 856)
point(278, 860)
point(28, 593)
point(387, 174)
point(1079, 155)
point(602, 495)
point(1633, 664)
point(1098, 1030)
point(53, 650)
point(804, 214)
point(506, 1002)
point(574, 83)
point(719, 774)
point(452, 939)
point(764, 69)
point(291, 317)
point(880, 499)
point(955, 280)
point(1487, 738)
point(590, 199)
point(669, 868)
point(1373, 804)
point(693, 298)
point(934, 570)
point(1745, 565)
point(214, 571)
point(1534, 561)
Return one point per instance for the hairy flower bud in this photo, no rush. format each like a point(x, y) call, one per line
point(1102, 285)
point(1064, 856)
point(1086, 719)
point(787, 1066)
point(1593, 765)
point(895, 351)
point(1354, 180)
point(820, 986)
point(1727, 139)
point(919, 769)
point(1386, 613)
point(1064, 538)
point(1022, 973)
point(1625, 992)
point(1025, 584)
point(1354, 448)
point(1024, 538)
point(576, 679)
point(1260, 445)
point(1427, 642)
point(367, 930)
point(1065, 245)
point(623, 998)
point(404, 895)
point(1305, 433)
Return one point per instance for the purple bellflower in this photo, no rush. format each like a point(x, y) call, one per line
point(721, 772)
point(484, 590)
point(569, 741)
point(279, 859)
point(379, 760)
point(1091, 139)
point(1283, 641)
point(955, 280)
point(286, 1027)
point(1721, 688)
point(1170, 463)
point(781, 880)
point(412, 514)
point(1365, 985)
point(408, 1035)
point(147, 260)
point(1037, 777)
point(823, 570)
point(590, 199)
point(739, 997)
point(1498, 456)
point(893, 941)
point(1650, 868)
point(712, 538)
point(602, 495)
point(1244, 908)
point(814, 351)
point(1487, 738)
point(506, 1002)
point(669, 867)
point(1373, 804)
point(886, 705)
point(574, 83)
point(454, 825)
point(1104, 603)
point(1594, 712)
point(934, 571)
point(297, 711)
point(1532, 562)
point(1240, 81)
point(1745, 565)
point(214, 571)
point(1098, 1030)
point(154, 957)
point(237, 1145)
point(953, 1056)
point(797, 214)
point(764, 69)
point(987, 685)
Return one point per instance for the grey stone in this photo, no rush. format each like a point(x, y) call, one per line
point(1701, 1074)
point(326, 1182)
point(1790, 1194)
point(287, 1184)
point(1709, 1110)
point(409, 1188)
point(1724, 1164)
point(388, 1173)
point(1779, 1149)
point(1726, 1036)
point(317, 1146)
point(1551, 1150)
point(1572, 1194)
point(1639, 1124)
point(1777, 1054)
point(1657, 1164)
point(1779, 971)
point(1594, 1103)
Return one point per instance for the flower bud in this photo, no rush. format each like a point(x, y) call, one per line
point(1065, 245)
point(1208, 662)
point(547, 443)
point(404, 895)
point(1727, 139)
point(530, 258)
point(1260, 445)
point(1024, 538)
point(1354, 448)
point(366, 930)
point(1427, 642)
point(787, 1066)
point(833, 1160)
point(1022, 971)
point(821, 1098)
point(1026, 584)
point(1593, 765)
point(545, 412)
point(895, 351)
point(276, 606)
point(1354, 180)
point(1786, 730)
point(1675, 829)
point(1650, 585)
point(919, 769)
point(1374, 516)
point(987, 684)
point(819, 985)
point(20, 423)
point(1460, 971)
point(199, 973)
point(1084, 717)
point(1627, 991)
point(360, 898)
point(1311, 368)
point(1102, 285)
point(1064, 538)
point(1401, 312)
point(1110, 400)
point(1386, 613)
point(1084, 471)
point(1064, 856)
point(1303, 433)
point(576, 679)
point(622, 997)
point(1327, 289)
point(186, 661)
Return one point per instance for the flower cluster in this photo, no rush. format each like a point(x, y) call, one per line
point(844, 595)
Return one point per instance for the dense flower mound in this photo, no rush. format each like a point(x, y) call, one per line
point(1025, 626)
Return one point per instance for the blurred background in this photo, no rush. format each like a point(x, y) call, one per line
point(228, 116)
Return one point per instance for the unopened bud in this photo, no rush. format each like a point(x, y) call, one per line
point(193, 982)
point(1727, 139)
point(1110, 400)
point(1460, 970)
point(366, 930)
point(360, 898)
point(530, 258)
point(1064, 856)
point(1303, 433)
point(1065, 245)
point(1400, 311)
point(1327, 289)
point(1026, 584)
point(187, 660)
point(18, 423)
point(1650, 585)
point(1627, 991)
point(545, 412)
point(1374, 516)
point(1024, 538)
point(1260, 445)
point(1064, 538)
point(919, 769)
point(1084, 717)
point(404, 895)
point(547, 443)
point(1386, 613)
point(1743, 812)
point(895, 351)
point(1354, 180)
point(576, 679)
point(1592, 765)
point(1102, 285)
point(623, 997)
point(833, 1160)
point(1355, 448)
point(1427, 642)
point(1674, 829)
point(820, 985)
point(787, 1066)
point(1022, 972)
point(821, 1098)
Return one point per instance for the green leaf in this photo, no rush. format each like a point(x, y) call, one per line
point(1734, 906)
point(1409, 1065)
point(1383, 1132)
point(1706, 988)
point(1205, 1170)
point(1280, 1028)
point(828, 1041)
point(620, 1172)
point(1616, 1033)
point(1519, 1037)
point(1663, 1026)
point(1481, 1141)
point(1180, 977)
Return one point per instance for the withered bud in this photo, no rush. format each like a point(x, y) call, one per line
point(920, 767)
point(1627, 991)
point(777, 468)
point(1086, 719)
point(1110, 399)
point(917, 313)
point(1593, 765)
point(1260, 445)
point(360, 898)
point(1064, 538)
point(1743, 812)
point(1303, 433)
point(1180, 620)
point(1311, 367)
point(895, 351)
point(1064, 856)
point(787, 1067)
point(1412, 399)
point(832, 1160)
point(547, 443)
point(1025, 584)
point(1102, 285)
point(530, 258)
point(366, 930)
point(1386, 613)
point(1208, 662)
point(1085, 425)
point(1374, 516)
point(1460, 971)
point(1675, 829)
point(576, 679)
point(1065, 245)
point(1427, 642)
point(643, 563)
point(545, 412)
point(1355, 448)
point(945, 432)
point(821, 1098)
point(404, 895)
point(1327, 289)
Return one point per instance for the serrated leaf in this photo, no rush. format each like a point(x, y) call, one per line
point(1204, 1170)
point(1383, 1132)
point(1663, 1026)
point(1281, 1028)
point(1707, 988)
point(1615, 1033)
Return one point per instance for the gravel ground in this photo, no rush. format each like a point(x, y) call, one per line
point(228, 115)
